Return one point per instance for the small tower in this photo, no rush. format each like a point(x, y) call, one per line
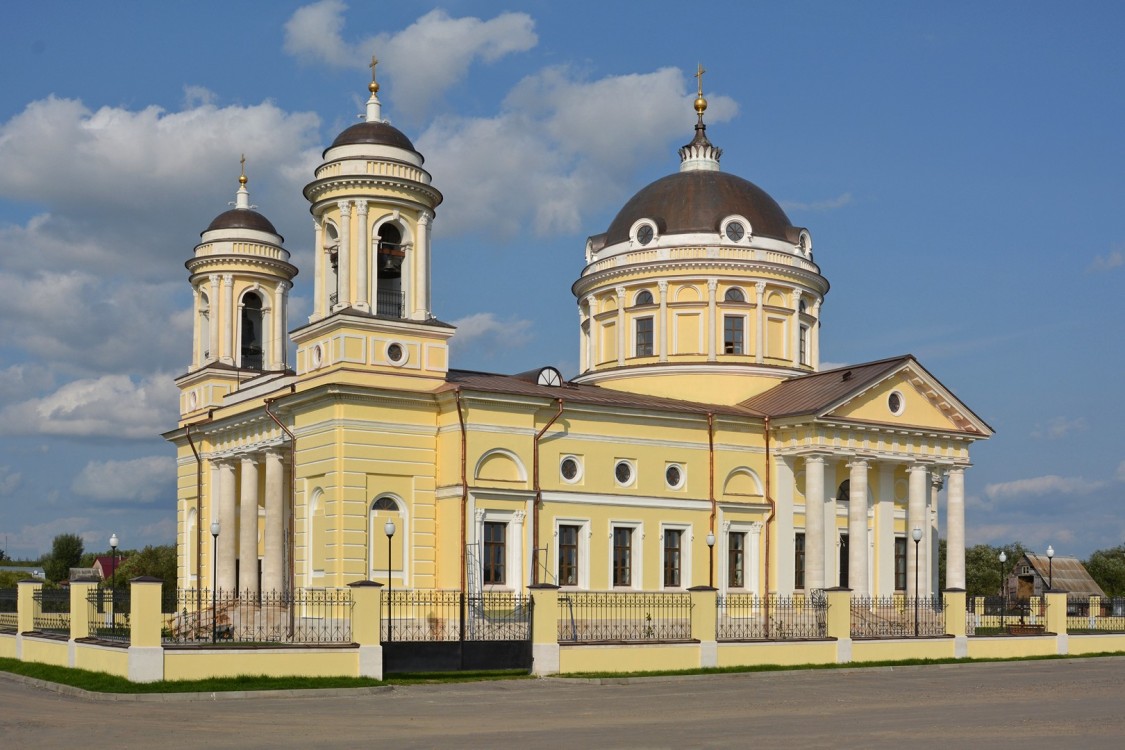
point(240, 280)
point(372, 205)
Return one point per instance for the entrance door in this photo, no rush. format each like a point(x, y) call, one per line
point(844, 561)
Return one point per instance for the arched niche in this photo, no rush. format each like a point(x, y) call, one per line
point(500, 465)
point(743, 482)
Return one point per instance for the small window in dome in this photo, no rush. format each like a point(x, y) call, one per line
point(734, 294)
point(645, 234)
point(735, 231)
point(643, 298)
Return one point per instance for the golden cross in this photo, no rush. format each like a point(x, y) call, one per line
point(699, 76)
point(374, 62)
point(242, 161)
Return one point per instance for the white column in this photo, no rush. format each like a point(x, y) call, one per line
point(277, 349)
point(344, 262)
point(783, 495)
point(857, 528)
point(320, 294)
point(248, 528)
point(795, 334)
point(583, 340)
point(227, 527)
point(520, 578)
point(422, 269)
point(760, 320)
point(711, 329)
point(916, 519)
point(621, 337)
point(831, 535)
point(955, 530)
point(274, 560)
point(814, 522)
point(753, 565)
point(226, 356)
point(591, 343)
point(213, 317)
point(196, 332)
point(930, 537)
point(884, 546)
point(363, 252)
point(662, 335)
point(814, 337)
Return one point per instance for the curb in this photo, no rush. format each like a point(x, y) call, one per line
point(74, 692)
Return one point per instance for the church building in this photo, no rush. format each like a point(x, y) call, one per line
point(700, 443)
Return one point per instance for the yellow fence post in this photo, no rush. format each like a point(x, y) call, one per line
point(146, 654)
point(955, 613)
point(840, 622)
point(544, 628)
point(705, 623)
point(80, 609)
point(26, 611)
point(367, 615)
point(1056, 618)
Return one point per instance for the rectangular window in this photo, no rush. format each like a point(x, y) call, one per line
point(568, 555)
point(804, 343)
point(736, 560)
point(644, 337)
point(844, 560)
point(672, 540)
point(900, 563)
point(733, 335)
point(799, 561)
point(622, 556)
point(495, 552)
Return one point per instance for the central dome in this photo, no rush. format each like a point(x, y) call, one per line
point(377, 133)
point(698, 201)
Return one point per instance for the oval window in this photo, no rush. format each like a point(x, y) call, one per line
point(624, 472)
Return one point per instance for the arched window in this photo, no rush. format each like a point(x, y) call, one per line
point(204, 328)
point(389, 255)
point(253, 346)
point(843, 493)
point(332, 266)
point(802, 307)
point(643, 298)
point(385, 503)
point(734, 294)
point(387, 554)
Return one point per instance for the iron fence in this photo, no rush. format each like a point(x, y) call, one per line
point(897, 616)
point(624, 616)
point(1087, 615)
point(108, 612)
point(455, 616)
point(52, 613)
point(297, 617)
point(9, 604)
point(1001, 615)
point(772, 617)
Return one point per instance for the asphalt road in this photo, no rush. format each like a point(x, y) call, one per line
point(1037, 704)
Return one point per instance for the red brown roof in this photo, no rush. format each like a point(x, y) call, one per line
point(812, 394)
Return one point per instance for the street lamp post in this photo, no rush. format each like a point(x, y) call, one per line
point(214, 574)
point(711, 559)
point(1050, 567)
point(112, 583)
point(389, 530)
point(1003, 589)
point(917, 536)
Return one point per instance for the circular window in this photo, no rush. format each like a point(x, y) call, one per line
point(644, 234)
point(735, 231)
point(895, 403)
point(395, 353)
point(674, 476)
point(624, 472)
point(569, 469)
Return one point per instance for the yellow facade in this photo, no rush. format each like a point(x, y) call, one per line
point(681, 455)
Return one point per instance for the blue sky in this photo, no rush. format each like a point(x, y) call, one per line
point(960, 166)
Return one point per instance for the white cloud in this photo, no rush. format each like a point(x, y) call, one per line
point(1046, 485)
point(1120, 476)
point(485, 332)
point(112, 406)
point(560, 148)
point(425, 59)
point(1058, 428)
point(9, 480)
point(830, 204)
point(1114, 259)
point(140, 479)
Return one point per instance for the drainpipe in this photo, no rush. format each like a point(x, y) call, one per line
point(292, 479)
point(539, 497)
point(199, 507)
point(464, 496)
point(773, 505)
point(711, 493)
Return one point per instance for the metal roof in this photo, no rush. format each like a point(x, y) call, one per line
point(812, 394)
point(1065, 574)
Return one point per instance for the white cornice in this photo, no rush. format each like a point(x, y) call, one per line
point(662, 369)
point(737, 269)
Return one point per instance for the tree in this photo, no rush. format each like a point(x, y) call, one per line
point(66, 553)
point(158, 562)
point(1107, 567)
point(982, 567)
point(3, 555)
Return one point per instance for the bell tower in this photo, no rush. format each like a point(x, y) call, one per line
point(240, 280)
point(373, 206)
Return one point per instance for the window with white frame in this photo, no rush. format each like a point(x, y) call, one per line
point(673, 557)
point(643, 338)
point(569, 534)
point(495, 553)
point(623, 540)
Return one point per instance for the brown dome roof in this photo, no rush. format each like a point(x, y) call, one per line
point(698, 201)
point(242, 218)
point(373, 132)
